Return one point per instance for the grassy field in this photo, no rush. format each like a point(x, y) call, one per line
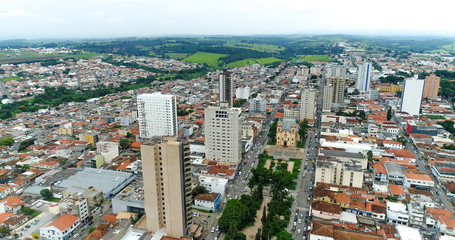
point(313, 58)
point(253, 46)
point(7, 79)
point(251, 61)
point(210, 59)
point(25, 56)
point(177, 56)
point(446, 49)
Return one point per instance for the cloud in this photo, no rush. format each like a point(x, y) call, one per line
point(96, 13)
point(14, 13)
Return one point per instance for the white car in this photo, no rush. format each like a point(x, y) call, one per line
point(213, 230)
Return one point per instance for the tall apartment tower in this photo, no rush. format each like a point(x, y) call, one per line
point(258, 105)
point(226, 88)
point(167, 185)
point(338, 89)
point(412, 96)
point(336, 71)
point(157, 115)
point(307, 104)
point(364, 77)
point(223, 133)
point(431, 86)
point(327, 98)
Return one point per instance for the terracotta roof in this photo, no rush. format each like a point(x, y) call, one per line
point(325, 207)
point(342, 234)
point(4, 216)
point(206, 197)
point(110, 218)
point(418, 176)
point(13, 202)
point(396, 189)
point(64, 221)
point(322, 229)
point(419, 192)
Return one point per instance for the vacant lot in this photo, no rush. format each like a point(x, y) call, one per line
point(210, 59)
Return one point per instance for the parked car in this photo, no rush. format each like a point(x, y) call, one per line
point(213, 230)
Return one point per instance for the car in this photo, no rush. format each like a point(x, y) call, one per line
point(298, 231)
point(23, 229)
point(217, 228)
point(293, 228)
point(76, 235)
point(224, 200)
point(197, 214)
point(27, 226)
point(194, 214)
point(216, 238)
point(300, 221)
point(213, 230)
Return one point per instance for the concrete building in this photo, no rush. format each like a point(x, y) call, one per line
point(397, 213)
point(109, 150)
point(307, 104)
point(157, 115)
point(258, 105)
point(431, 86)
point(338, 89)
point(336, 71)
point(243, 93)
point(61, 228)
point(222, 134)
point(412, 96)
point(167, 188)
point(341, 173)
point(327, 98)
point(76, 207)
point(213, 184)
point(364, 77)
point(208, 201)
point(226, 88)
point(417, 180)
point(129, 200)
point(292, 113)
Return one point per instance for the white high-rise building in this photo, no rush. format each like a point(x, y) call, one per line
point(223, 134)
point(243, 93)
point(307, 104)
point(336, 71)
point(364, 77)
point(258, 105)
point(226, 88)
point(327, 100)
point(411, 100)
point(157, 115)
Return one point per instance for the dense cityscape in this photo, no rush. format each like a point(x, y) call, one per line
point(350, 142)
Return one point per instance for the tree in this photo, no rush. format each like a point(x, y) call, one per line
point(284, 235)
point(370, 155)
point(264, 216)
point(124, 143)
point(46, 194)
point(7, 141)
point(389, 114)
point(128, 135)
point(198, 190)
point(240, 236)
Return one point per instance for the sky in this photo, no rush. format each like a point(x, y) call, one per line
point(35, 19)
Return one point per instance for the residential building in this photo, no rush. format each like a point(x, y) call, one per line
point(208, 201)
point(214, 184)
point(287, 133)
point(292, 113)
point(167, 192)
point(397, 213)
point(226, 88)
point(308, 102)
point(341, 173)
point(222, 134)
point(327, 98)
point(109, 150)
point(338, 89)
point(431, 86)
point(336, 71)
point(61, 228)
point(258, 105)
point(419, 180)
point(324, 210)
point(157, 115)
point(364, 77)
point(11, 204)
point(412, 96)
point(243, 93)
point(76, 207)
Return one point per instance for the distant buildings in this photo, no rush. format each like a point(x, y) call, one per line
point(431, 86)
point(364, 77)
point(307, 104)
point(157, 115)
point(243, 93)
point(412, 96)
point(167, 185)
point(226, 88)
point(222, 134)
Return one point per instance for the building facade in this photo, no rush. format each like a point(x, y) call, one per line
point(412, 96)
point(287, 133)
point(258, 105)
point(431, 86)
point(167, 192)
point(307, 104)
point(226, 88)
point(364, 77)
point(157, 115)
point(222, 134)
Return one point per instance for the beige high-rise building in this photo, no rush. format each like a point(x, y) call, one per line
point(167, 185)
point(307, 104)
point(431, 86)
point(222, 133)
point(341, 173)
point(338, 89)
point(327, 100)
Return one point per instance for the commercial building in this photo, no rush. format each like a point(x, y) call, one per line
point(397, 213)
point(431, 86)
point(258, 105)
point(129, 200)
point(222, 134)
point(61, 228)
point(412, 96)
point(364, 77)
point(76, 207)
point(157, 115)
point(226, 88)
point(109, 150)
point(167, 185)
point(307, 104)
point(208, 201)
point(213, 184)
point(419, 180)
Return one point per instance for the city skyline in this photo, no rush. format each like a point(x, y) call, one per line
point(105, 19)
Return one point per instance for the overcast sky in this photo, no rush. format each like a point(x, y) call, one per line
point(126, 18)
